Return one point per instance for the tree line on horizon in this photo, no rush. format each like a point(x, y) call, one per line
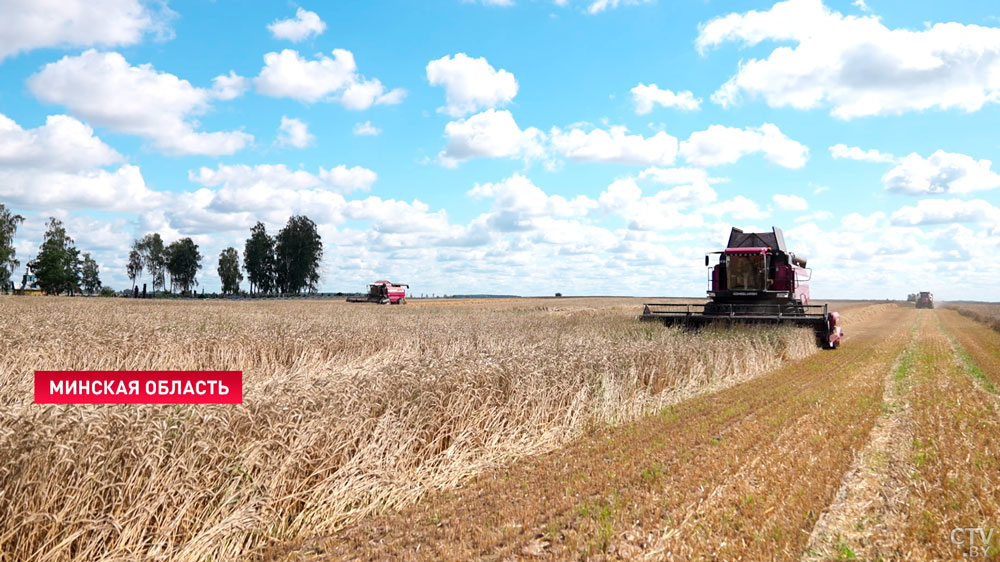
point(286, 263)
point(58, 267)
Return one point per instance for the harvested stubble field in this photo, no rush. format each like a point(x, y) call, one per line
point(348, 410)
point(548, 428)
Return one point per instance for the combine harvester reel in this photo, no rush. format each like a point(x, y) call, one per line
point(757, 281)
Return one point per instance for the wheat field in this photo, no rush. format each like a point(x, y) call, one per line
point(987, 313)
point(348, 409)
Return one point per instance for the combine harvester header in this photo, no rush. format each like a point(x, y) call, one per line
point(757, 280)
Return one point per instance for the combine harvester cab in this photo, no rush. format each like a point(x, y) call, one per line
point(384, 292)
point(756, 280)
point(925, 300)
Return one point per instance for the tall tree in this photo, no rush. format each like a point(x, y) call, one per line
point(259, 259)
point(182, 261)
point(134, 267)
point(153, 258)
point(91, 275)
point(8, 228)
point(229, 270)
point(57, 265)
point(299, 249)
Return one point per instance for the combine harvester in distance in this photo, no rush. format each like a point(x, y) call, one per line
point(757, 280)
point(384, 292)
point(29, 284)
point(925, 300)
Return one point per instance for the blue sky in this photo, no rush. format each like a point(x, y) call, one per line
point(519, 146)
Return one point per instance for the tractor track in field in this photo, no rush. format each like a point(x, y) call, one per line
point(873, 493)
point(955, 483)
point(794, 464)
point(977, 350)
point(894, 504)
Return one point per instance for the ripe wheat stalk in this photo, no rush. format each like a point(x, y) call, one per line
point(348, 409)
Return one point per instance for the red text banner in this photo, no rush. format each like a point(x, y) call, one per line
point(138, 387)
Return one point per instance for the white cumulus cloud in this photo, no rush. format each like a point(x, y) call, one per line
point(855, 65)
point(790, 202)
point(245, 176)
point(674, 208)
point(233, 197)
point(366, 129)
point(738, 207)
point(941, 172)
point(350, 179)
point(614, 145)
point(229, 86)
point(77, 23)
point(390, 216)
point(517, 201)
point(244, 180)
point(470, 84)
point(677, 176)
point(62, 143)
point(598, 6)
point(842, 151)
point(490, 134)
point(645, 97)
point(725, 145)
point(591, 6)
point(856, 222)
point(104, 89)
point(944, 211)
point(123, 189)
point(299, 28)
point(817, 216)
point(294, 132)
point(289, 75)
point(62, 165)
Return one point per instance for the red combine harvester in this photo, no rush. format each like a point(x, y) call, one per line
point(757, 280)
point(925, 300)
point(384, 292)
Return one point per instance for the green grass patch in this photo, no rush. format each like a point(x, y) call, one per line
point(904, 367)
point(844, 552)
point(602, 513)
point(973, 369)
point(968, 363)
point(653, 473)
